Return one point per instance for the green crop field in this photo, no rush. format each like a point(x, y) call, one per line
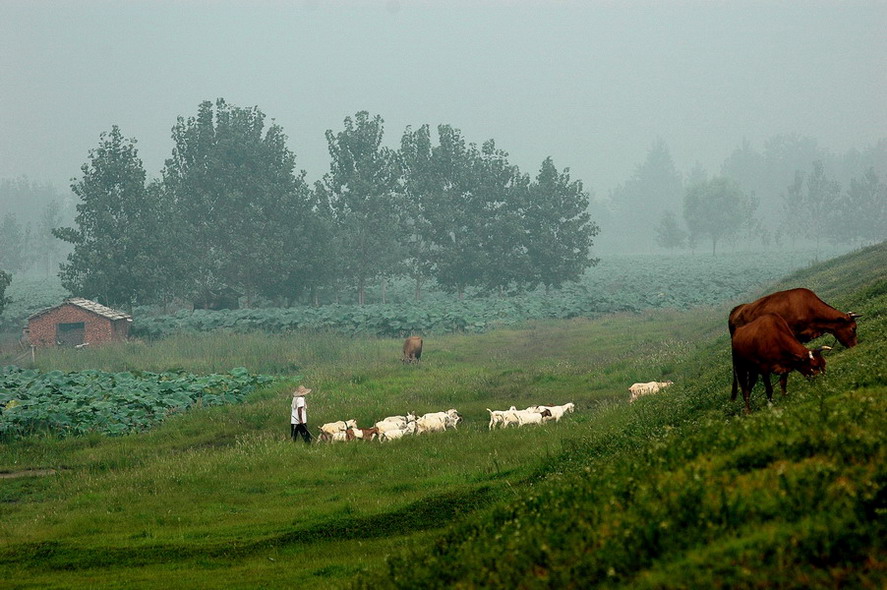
point(678, 490)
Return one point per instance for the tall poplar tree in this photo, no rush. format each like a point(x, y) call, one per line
point(501, 193)
point(457, 213)
point(237, 203)
point(117, 237)
point(363, 193)
point(419, 183)
point(559, 228)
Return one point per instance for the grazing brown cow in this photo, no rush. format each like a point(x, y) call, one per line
point(412, 349)
point(807, 316)
point(767, 345)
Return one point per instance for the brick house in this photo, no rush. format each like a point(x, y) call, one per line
point(76, 322)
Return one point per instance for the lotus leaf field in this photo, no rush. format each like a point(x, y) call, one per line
point(72, 403)
point(618, 284)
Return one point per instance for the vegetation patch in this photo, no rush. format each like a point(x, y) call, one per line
point(61, 403)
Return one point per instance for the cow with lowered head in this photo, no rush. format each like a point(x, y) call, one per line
point(765, 346)
point(807, 316)
point(412, 349)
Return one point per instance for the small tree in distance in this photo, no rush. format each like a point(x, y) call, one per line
point(716, 209)
point(669, 234)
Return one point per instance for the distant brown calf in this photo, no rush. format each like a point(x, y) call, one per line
point(412, 349)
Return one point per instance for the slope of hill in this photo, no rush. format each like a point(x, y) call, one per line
point(691, 494)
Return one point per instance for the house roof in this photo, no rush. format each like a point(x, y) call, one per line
point(96, 308)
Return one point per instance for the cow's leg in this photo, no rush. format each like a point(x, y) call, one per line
point(783, 383)
point(747, 379)
point(735, 381)
point(768, 386)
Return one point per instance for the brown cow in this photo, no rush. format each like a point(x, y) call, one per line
point(412, 349)
point(767, 345)
point(807, 315)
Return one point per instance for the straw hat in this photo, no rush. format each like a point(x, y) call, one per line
point(301, 390)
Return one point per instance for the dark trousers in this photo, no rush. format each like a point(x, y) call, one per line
point(300, 429)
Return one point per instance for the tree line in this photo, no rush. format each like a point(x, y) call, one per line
point(230, 214)
point(30, 211)
point(791, 192)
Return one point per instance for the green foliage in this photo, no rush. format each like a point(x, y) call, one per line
point(559, 230)
point(29, 295)
point(117, 231)
point(360, 189)
point(716, 209)
point(617, 284)
point(75, 403)
point(232, 196)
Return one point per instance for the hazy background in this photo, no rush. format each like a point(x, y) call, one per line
point(593, 84)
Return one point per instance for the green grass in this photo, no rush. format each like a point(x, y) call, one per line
point(676, 490)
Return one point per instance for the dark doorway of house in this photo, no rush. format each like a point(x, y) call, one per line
point(70, 334)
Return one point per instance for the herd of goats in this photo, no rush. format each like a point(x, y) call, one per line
point(395, 427)
point(767, 337)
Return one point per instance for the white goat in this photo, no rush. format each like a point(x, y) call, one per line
point(401, 419)
point(640, 389)
point(330, 428)
point(497, 417)
point(431, 423)
point(557, 412)
point(396, 433)
point(531, 416)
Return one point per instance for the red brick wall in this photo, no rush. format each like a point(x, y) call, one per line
point(98, 329)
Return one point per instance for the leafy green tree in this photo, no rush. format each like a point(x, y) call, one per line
point(116, 236)
point(716, 209)
point(362, 190)
point(302, 251)
point(420, 182)
point(235, 201)
point(559, 229)
point(456, 212)
point(669, 234)
point(502, 193)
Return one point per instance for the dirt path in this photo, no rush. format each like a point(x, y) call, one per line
point(27, 473)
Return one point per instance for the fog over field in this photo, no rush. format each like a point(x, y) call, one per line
point(591, 83)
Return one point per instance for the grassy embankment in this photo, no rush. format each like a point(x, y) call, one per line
point(676, 490)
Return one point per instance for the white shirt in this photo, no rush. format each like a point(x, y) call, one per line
point(299, 402)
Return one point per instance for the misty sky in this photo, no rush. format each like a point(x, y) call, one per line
point(592, 84)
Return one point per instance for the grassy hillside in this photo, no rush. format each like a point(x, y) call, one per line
point(676, 490)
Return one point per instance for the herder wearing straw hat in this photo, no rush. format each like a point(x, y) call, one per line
point(299, 416)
